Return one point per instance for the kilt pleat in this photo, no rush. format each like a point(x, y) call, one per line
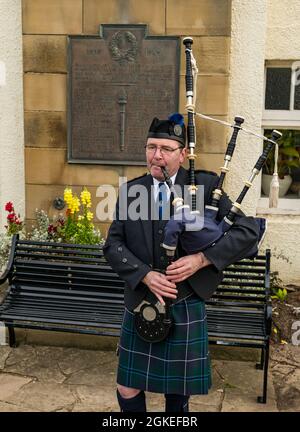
point(180, 364)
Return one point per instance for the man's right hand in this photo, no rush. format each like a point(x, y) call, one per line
point(160, 286)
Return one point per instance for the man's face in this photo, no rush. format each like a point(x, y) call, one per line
point(159, 156)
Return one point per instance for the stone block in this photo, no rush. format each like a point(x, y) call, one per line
point(212, 94)
point(48, 166)
point(211, 136)
point(209, 162)
point(45, 53)
point(124, 12)
point(131, 172)
point(221, 352)
point(62, 339)
point(45, 129)
point(198, 17)
point(211, 54)
point(52, 17)
point(45, 92)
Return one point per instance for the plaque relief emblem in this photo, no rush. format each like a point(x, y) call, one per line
point(123, 46)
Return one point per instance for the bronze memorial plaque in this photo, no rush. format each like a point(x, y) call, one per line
point(118, 82)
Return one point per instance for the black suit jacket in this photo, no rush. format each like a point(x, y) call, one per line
point(129, 245)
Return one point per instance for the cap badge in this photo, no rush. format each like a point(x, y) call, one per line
point(177, 130)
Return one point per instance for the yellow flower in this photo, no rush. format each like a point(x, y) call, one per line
point(68, 196)
point(86, 197)
point(74, 205)
point(89, 215)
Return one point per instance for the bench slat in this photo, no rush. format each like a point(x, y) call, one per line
point(81, 295)
point(69, 282)
point(46, 319)
point(85, 273)
point(65, 266)
point(60, 257)
point(37, 251)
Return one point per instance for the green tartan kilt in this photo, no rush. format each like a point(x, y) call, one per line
point(180, 364)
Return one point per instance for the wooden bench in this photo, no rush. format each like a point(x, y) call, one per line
point(71, 288)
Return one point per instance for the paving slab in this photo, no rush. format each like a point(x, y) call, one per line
point(41, 396)
point(34, 363)
point(10, 407)
point(96, 398)
point(50, 378)
point(242, 384)
point(11, 384)
point(94, 376)
point(285, 369)
point(4, 353)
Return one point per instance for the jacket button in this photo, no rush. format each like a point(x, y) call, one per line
point(120, 249)
point(124, 260)
point(160, 231)
point(135, 265)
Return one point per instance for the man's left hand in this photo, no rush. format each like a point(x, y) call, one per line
point(186, 266)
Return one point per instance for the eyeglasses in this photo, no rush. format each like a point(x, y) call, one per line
point(152, 148)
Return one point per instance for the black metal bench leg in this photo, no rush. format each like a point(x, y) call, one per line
point(263, 398)
point(12, 337)
point(260, 365)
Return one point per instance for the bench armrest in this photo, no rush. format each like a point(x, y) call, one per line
point(9, 266)
point(268, 319)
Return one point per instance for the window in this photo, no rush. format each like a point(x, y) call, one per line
point(282, 94)
point(282, 112)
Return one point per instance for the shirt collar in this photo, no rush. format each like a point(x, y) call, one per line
point(156, 183)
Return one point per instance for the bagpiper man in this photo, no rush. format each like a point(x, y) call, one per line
point(179, 365)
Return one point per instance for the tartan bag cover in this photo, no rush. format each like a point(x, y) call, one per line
point(180, 364)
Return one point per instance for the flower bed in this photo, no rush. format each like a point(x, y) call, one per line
point(75, 226)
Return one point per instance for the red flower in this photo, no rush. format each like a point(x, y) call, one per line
point(52, 229)
point(11, 217)
point(9, 206)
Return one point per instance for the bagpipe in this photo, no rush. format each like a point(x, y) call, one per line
point(197, 231)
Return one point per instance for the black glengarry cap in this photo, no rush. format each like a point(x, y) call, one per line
point(173, 128)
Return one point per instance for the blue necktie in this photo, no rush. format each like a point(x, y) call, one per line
point(162, 199)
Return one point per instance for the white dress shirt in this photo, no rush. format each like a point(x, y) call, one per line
point(156, 188)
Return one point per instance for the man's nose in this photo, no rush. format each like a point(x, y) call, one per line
point(157, 152)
